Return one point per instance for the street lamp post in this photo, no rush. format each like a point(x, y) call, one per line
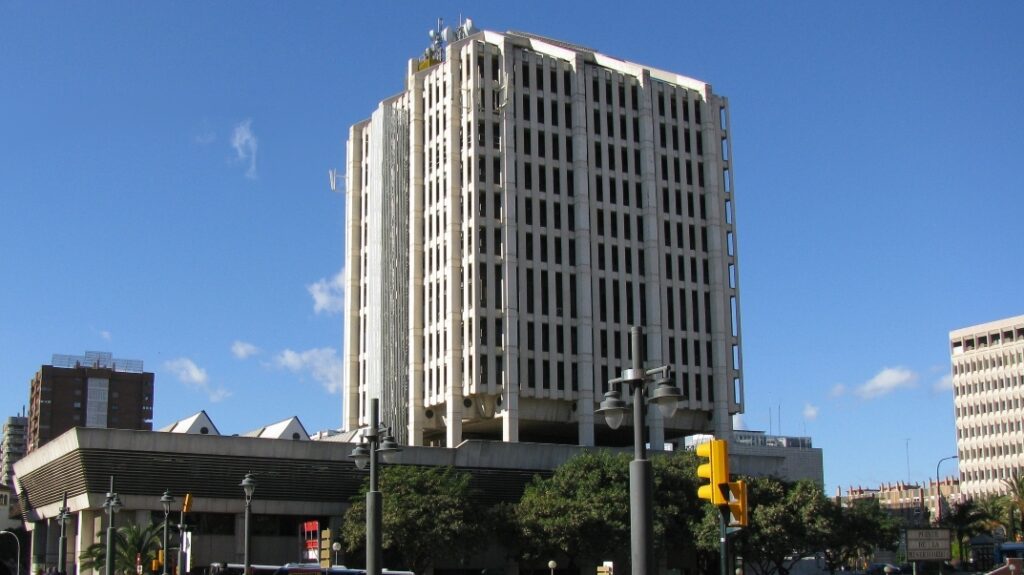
point(249, 486)
point(112, 504)
point(366, 452)
point(666, 397)
point(938, 488)
point(62, 542)
point(165, 502)
point(18, 541)
point(552, 565)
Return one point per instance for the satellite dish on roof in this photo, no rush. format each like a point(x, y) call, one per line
point(447, 35)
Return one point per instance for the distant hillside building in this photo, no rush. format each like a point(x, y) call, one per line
point(13, 446)
point(988, 390)
point(93, 390)
point(510, 215)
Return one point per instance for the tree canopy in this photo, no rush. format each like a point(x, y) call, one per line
point(582, 511)
point(427, 513)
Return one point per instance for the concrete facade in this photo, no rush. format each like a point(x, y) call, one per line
point(988, 389)
point(297, 481)
point(510, 215)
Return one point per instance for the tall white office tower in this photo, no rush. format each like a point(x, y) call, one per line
point(988, 391)
point(509, 216)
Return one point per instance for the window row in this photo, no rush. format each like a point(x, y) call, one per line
point(988, 430)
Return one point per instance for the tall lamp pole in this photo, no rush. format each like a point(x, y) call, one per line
point(62, 542)
point(18, 541)
point(112, 504)
point(165, 502)
point(249, 486)
point(666, 396)
point(938, 488)
point(366, 452)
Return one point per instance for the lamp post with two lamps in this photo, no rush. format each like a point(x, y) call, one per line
point(18, 542)
point(248, 485)
point(666, 396)
point(112, 504)
point(374, 443)
point(165, 502)
point(62, 541)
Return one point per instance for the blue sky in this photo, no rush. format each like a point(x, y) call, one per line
point(164, 195)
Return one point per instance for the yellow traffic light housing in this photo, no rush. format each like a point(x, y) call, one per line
point(738, 504)
point(715, 470)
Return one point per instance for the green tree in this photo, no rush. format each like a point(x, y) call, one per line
point(428, 513)
point(788, 521)
point(582, 511)
point(130, 541)
point(854, 532)
point(1015, 502)
point(995, 510)
point(966, 521)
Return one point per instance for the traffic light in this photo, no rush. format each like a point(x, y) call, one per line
point(715, 470)
point(738, 503)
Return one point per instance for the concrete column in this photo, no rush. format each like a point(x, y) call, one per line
point(584, 280)
point(38, 539)
point(86, 530)
point(720, 309)
point(652, 242)
point(510, 233)
point(449, 71)
point(417, 417)
point(353, 273)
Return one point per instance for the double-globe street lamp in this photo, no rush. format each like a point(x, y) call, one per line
point(165, 502)
point(376, 440)
point(18, 541)
point(666, 396)
point(248, 485)
point(112, 504)
point(62, 542)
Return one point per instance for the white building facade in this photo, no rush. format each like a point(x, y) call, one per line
point(988, 386)
point(509, 216)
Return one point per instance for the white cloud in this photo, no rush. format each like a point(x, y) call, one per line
point(187, 371)
point(105, 335)
point(245, 144)
point(243, 349)
point(329, 294)
point(195, 377)
point(886, 381)
point(838, 390)
point(945, 383)
point(323, 364)
point(810, 412)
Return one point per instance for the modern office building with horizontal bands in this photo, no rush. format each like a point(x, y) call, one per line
point(988, 387)
point(509, 216)
point(91, 390)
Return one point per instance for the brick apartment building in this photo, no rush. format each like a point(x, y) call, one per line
point(94, 390)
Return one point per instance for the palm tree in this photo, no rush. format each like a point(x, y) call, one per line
point(130, 541)
point(994, 508)
point(1015, 495)
point(966, 520)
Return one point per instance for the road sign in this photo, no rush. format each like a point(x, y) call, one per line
point(928, 545)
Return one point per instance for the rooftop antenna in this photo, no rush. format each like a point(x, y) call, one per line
point(333, 175)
